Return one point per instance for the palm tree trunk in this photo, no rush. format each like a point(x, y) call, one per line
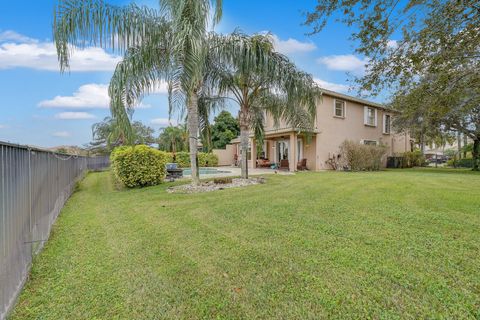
point(244, 133)
point(192, 122)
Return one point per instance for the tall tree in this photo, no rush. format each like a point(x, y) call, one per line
point(169, 44)
point(425, 51)
point(224, 129)
point(267, 82)
point(173, 139)
point(108, 134)
point(143, 134)
point(444, 108)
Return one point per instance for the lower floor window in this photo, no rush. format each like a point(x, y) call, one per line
point(370, 142)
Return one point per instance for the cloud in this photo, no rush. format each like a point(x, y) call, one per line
point(331, 86)
point(164, 122)
point(91, 96)
point(19, 51)
point(88, 96)
point(392, 44)
point(62, 134)
point(346, 62)
point(291, 46)
point(2, 126)
point(74, 116)
point(10, 35)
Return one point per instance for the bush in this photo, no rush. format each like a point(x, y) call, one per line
point(460, 163)
point(360, 157)
point(207, 159)
point(204, 159)
point(182, 159)
point(413, 159)
point(138, 166)
point(225, 180)
point(407, 159)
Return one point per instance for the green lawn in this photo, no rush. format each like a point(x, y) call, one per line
point(386, 245)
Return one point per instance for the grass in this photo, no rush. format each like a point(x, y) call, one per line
point(386, 245)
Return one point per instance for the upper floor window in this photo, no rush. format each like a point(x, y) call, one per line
point(387, 124)
point(339, 108)
point(370, 116)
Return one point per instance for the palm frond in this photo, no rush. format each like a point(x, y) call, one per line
point(96, 23)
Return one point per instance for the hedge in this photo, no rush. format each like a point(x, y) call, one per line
point(407, 159)
point(204, 159)
point(138, 166)
point(361, 157)
point(461, 163)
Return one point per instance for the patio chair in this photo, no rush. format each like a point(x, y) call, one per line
point(302, 164)
point(263, 163)
point(284, 164)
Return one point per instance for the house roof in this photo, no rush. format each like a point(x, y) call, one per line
point(354, 99)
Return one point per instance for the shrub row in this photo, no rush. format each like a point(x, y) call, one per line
point(204, 159)
point(408, 159)
point(138, 166)
point(460, 163)
point(360, 157)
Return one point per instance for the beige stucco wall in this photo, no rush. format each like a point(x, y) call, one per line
point(270, 125)
point(225, 156)
point(333, 131)
point(309, 152)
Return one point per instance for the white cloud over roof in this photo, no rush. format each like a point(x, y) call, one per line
point(292, 46)
point(346, 62)
point(331, 86)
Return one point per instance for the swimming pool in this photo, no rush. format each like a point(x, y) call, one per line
point(188, 172)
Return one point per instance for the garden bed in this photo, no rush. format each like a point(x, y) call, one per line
point(216, 184)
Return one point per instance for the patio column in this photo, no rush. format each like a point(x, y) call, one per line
point(292, 152)
point(253, 153)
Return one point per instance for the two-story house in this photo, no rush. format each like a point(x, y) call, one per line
point(339, 117)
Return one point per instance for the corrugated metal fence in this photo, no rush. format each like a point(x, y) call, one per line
point(34, 186)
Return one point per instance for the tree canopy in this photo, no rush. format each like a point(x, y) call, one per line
point(224, 129)
point(107, 134)
point(425, 52)
point(173, 139)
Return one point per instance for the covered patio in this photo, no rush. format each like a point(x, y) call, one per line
point(288, 150)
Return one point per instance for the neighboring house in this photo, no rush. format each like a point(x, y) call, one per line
point(439, 150)
point(339, 117)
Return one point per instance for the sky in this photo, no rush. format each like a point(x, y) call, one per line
point(43, 107)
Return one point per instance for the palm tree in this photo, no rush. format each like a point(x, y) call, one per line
point(265, 82)
point(143, 66)
point(169, 44)
point(173, 139)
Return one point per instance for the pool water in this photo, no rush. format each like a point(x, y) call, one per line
point(205, 171)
